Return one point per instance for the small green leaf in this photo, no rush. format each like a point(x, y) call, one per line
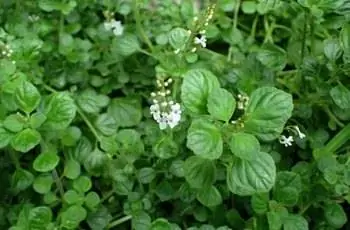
point(42, 184)
point(221, 104)
point(141, 221)
point(100, 218)
point(71, 169)
point(199, 172)
point(5, 137)
point(244, 146)
point(295, 222)
point(178, 38)
point(332, 49)
point(260, 203)
point(91, 102)
point(246, 178)
point(106, 124)
point(166, 148)
point(335, 215)
point(160, 224)
point(26, 140)
point(209, 197)
point(37, 119)
point(341, 96)
point(14, 123)
point(92, 200)
point(204, 139)
point(272, 56)
point(146, 175)
point(60, 111)
point(248, 7)
point(21, 180)
point(267, 112)
point(126, 45)
point(72, 197)
point(46, 162)
point(195, 89)
point(72, 217)
point(125, 111)
point(287, 188)
point(27, 97)
point(39, 217)
point(82, 184)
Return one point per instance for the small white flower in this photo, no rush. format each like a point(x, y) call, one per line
point(176, 51)
point(154, 108)
point(300, 134)
point(115, 26)
point(201, 41)
point(153, 94)
point(286, 141)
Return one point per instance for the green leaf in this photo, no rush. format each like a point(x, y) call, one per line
point(71, 136)
point(37, 119)
point(141, 221)
point(166, 148)
point(287, 188)
point(14, 122)
point(92, 200)
point(27, 97)
point(272, 56)
point(295, 222)
point(99, 219)
point(244, 146)
point(195, 89)
point(46, 162)
point(106, 124)
point(130, 142)
point(48, 5)
point(72, 217)
point(160, 224)
point(332, 49)
point(341, 96)
point(39, 217)
point(60, 111)
point(204, 139)
point(246, 178)
point(82, 184)
point(26, 140)
point(267, 112)
point(73, 197)
point(178, 38)
point(221, 104)
point(335, 215)
point(199, 172)
point(260, 203)
point(71, 169)
point(146, 175)
point(42, 184)
point(345, 41)
point(126, 45)
point(209, 197)
point(5, 137)
point(21, 180)
point(96, 162)
point(91, 102)
point(125, 111)
point(248, 7)
point(275, 219)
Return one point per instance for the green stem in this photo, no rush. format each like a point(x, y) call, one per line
point(88, 123)
point(139, 26)
point(331, 116)
point(119, 221)
point(303, 42)
point(14, 159)
point(107, 196)
point(58, 182)
point(336, 142)
point(253, 30)
point(235, 16)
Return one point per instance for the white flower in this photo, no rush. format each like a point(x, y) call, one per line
point(176, 51)
point(115, 26)
point(300, 134)
point(201, 41)
point(286, 141)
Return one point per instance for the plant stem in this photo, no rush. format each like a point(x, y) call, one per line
point(139, 26)
point(119, 221)
point(235, 16)
point(88, 123)
point(58, 182)
point(14, 159)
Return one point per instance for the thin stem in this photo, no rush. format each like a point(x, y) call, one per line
point(119, 221)
point(331, 116)
point(235, 16)
point(107, 196)
point(253, 30)
point(303, 42)
point(88, 123)
point(139, 26)
point(58, 182)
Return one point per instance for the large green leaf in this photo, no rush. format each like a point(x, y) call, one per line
point(295, 222)
point(335, 215)
point(209, 197)
point(250, 177)
point(195, 89)
point(204, 139)
point(244, 146)
point(27, 97)
point(221, 104)
point(199, 172)
point(178, 38)
point(60, 111)
point(267, 112)
point(46, 162)
point(26, 140)
point(125, 111)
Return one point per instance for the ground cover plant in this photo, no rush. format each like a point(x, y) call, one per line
point(167, 115)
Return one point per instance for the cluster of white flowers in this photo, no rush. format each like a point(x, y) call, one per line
point(242, 101)
point(115, 26)
point(6, 51)
point(287, 141)
point(165, 111)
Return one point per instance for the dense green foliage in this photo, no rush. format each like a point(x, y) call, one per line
point(167, 115)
